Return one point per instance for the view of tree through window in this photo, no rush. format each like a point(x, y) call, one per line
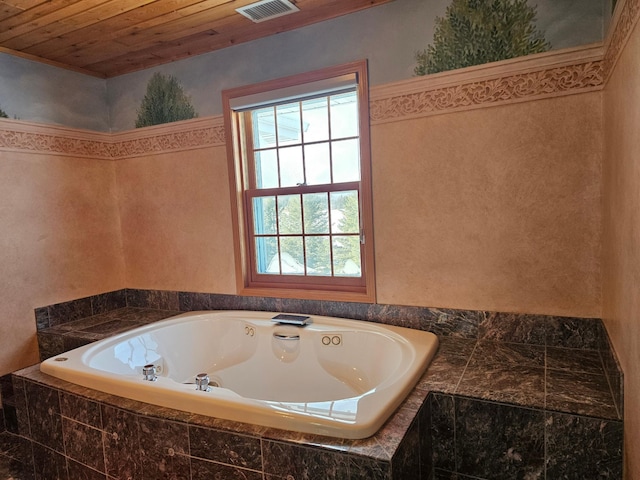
point(306, 218)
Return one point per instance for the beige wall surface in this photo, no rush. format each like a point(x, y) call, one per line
point(60, 240)
point(176, 221)
point(496, 208)
point(621, 237)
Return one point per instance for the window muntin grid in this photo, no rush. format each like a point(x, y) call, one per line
point(304, 176)
point(312, 141)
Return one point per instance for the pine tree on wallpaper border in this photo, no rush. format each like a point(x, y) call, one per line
point(3, 114)
point(164, 102)
point(474, 32)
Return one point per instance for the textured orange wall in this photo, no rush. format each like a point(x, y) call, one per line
point(495, 208)
point(60, 240)
point(176, 221)
point(621, 237)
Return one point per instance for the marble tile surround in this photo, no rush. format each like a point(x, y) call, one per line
point(71, 324)
point(490, 367)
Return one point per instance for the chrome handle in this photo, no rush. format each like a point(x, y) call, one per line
point(282, 336)
point(149, 373)
point(202, 382)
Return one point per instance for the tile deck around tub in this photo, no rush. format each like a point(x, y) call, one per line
point(75, 333)
point(483, 407)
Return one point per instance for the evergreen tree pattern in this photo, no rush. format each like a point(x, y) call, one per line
point(474, 32)
point(164, 102)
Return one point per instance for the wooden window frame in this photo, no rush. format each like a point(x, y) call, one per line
point(241, 178)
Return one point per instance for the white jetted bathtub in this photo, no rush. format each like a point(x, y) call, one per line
point(335, 377)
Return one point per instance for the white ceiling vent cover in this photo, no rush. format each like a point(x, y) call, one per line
point(267, 9)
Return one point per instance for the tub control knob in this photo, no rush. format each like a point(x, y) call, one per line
point(202, 382)
point(149, 373)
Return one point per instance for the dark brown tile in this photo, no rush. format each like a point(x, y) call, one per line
point(121, 446)
point(83, 444)
point(106, 302)
point(303, 462)
point(111, 327)
point(443, 374)
point(581, 448)
point(80, 409)
point(442, 431)
point(571, 332)
point(362, 468)
point(495, 354)
point(49, 464)
point(580, 393)
point(237, 450)
point(69, 311)
point(157, 299)
point(164, 447)
point(575, 360)
point(49, 345)
point(15, 447)
point(515, 385)
point(42, 318)
point(77, 471)
point(45, 420)
point(456, 323)
point(206, 470)
point(190, 301)
point(512, 328)
point(498, 441)
point(12, 469)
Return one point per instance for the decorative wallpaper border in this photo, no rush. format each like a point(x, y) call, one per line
point(524, 79)
point(20, 136)
point(625, 17)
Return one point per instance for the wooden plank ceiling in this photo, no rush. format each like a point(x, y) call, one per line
point(107, 38)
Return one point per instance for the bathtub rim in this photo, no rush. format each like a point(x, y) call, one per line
point(367, 425)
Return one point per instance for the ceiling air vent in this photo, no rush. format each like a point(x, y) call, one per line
point(267, 9)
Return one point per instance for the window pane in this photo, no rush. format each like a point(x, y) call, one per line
point(264, 128)
point(315, 119)
point(344, 115)
point(267, 259)
point(292, 258)
point(291, 172)
point(289, 214)
point(318, 256)
point(345, 212)
point(317, 164)
point(264, 215)
point(266, 169)
point(346, 256)
point(316, 213)
point(346, 161)
point(288, 117)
